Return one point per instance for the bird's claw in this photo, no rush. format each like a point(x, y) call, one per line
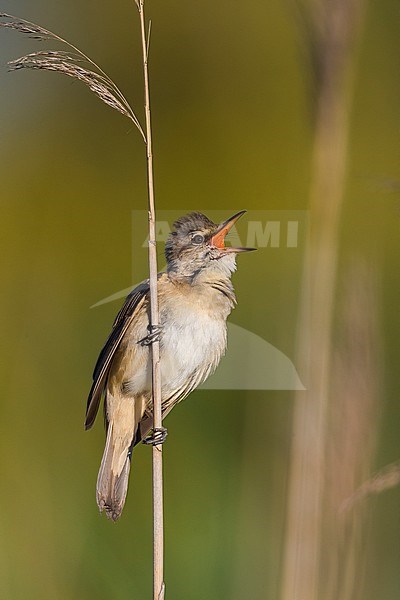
point(154, 335)
point(157, 437)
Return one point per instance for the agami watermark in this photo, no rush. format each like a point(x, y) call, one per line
point(260, 229)
point(251, 362)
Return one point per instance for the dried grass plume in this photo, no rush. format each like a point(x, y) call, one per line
point(72, 63)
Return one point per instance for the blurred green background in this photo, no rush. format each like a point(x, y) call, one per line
point(232, 126)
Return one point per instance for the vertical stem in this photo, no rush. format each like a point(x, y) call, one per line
point(306, 515)
point(158, 524)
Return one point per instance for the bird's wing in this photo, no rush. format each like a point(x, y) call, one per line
point(124, 318)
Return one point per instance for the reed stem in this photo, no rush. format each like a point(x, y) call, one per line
point(158, 517)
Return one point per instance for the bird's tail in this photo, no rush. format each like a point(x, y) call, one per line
point(123, 415)
point(112, 481)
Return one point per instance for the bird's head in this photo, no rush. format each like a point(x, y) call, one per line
point(196, 244)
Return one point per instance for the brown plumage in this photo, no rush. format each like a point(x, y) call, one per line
point(195, 298)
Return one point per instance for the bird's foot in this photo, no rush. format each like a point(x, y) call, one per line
point(154, 335)
point(157, 437)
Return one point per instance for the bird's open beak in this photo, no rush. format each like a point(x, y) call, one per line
point(218, 239)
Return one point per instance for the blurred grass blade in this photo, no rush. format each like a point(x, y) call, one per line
point(385, 479)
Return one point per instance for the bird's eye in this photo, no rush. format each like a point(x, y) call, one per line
point(197, 239)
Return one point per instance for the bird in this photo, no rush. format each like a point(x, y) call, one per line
point(195, 296)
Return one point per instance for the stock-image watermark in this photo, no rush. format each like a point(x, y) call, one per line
point(251, 362)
